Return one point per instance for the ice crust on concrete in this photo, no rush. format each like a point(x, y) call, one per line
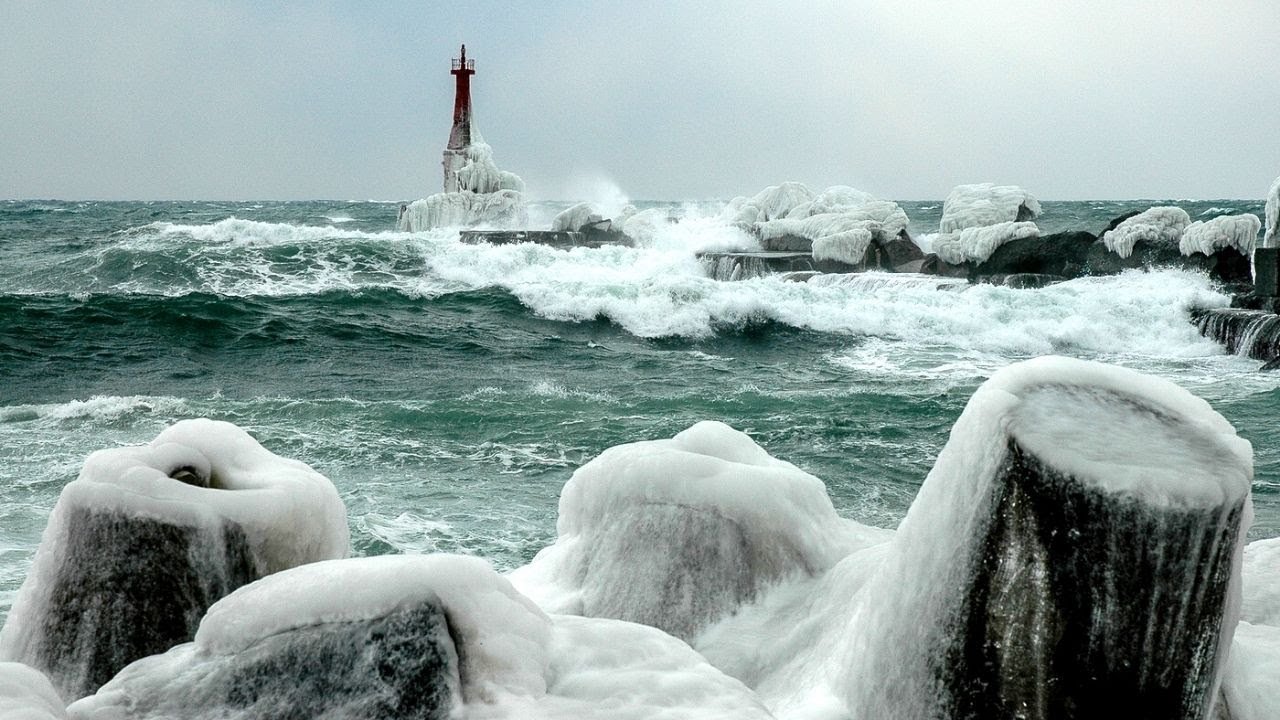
point(1162, 225)
point(147, 537)
point(1126, 440)
point(975, 244)
point(1234, 231)
point(679, 533)
point(969, 206)
point(26, 694)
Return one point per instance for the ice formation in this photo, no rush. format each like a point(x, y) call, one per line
point(1234, 231)
point(1161, 225)
point(840, 223)
point(976, 244)
point(1077, 544)
point(1261, 600)
point(476, 171)
point(578, 217)
point(148, 537)
point(1251, 686)
point(1272, 238)
point(504, 208)
point(679, 533)
point(476, 193)
point(437, 636)
point(983, 204)
point(26, 694)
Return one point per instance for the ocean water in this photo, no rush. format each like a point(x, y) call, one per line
point(450, 390)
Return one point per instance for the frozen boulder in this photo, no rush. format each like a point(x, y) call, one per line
point(969, 206)
point(422, 637)
point(26, 694)
point(1159, 226)
point(1075, 552)
point(148, 537)
point(679, 533)
point(1235, 232)
point(577, 218)
point(976, 244)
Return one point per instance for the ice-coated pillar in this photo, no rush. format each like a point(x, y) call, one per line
point(1074, 553)
point(148, 537)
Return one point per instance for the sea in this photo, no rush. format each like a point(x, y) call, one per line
point(450, 390)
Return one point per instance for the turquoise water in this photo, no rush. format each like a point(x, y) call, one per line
point(449, 390)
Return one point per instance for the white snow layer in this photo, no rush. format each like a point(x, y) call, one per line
point(1251, 681)
point(1272, 238)
point(1234, 231)
point(679, 533)
point(1161, 225)
point(1122, 432)
point(515, 662)
point(26, 694)
point(501, 209)
point(577, 217)
point(977, 243)
point(986, 204)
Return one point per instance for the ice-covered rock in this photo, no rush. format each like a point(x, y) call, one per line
point(148, 537)
point(1162, 225)
point(1076, 545)
point(679, 533)
point(1272, 237)
point(848, 246)
point(982, 204)
point(1260, 603)
point(578, 217)
point(26, 694)
point(976, 244)
point(501, 209)
point(437, 636)
point(1207, 237)
point(772, 203)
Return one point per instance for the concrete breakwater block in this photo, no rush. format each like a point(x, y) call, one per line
point(148, 537)
point(1075, 552)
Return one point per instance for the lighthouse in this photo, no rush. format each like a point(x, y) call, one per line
point(455, 153)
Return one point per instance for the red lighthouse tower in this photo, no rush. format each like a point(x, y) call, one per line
point(455, 154)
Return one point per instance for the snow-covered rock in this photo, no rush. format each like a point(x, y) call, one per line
point(679, 533)
point(1227, 231)
point(577, 217)
point(976, 244)
point(422, 637)
point(148, 537)
point(1162, 225)
point(983, 204)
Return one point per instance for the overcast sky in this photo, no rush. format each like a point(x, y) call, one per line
point(241, 100)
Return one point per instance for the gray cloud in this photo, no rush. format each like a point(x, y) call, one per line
point(231, 100)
